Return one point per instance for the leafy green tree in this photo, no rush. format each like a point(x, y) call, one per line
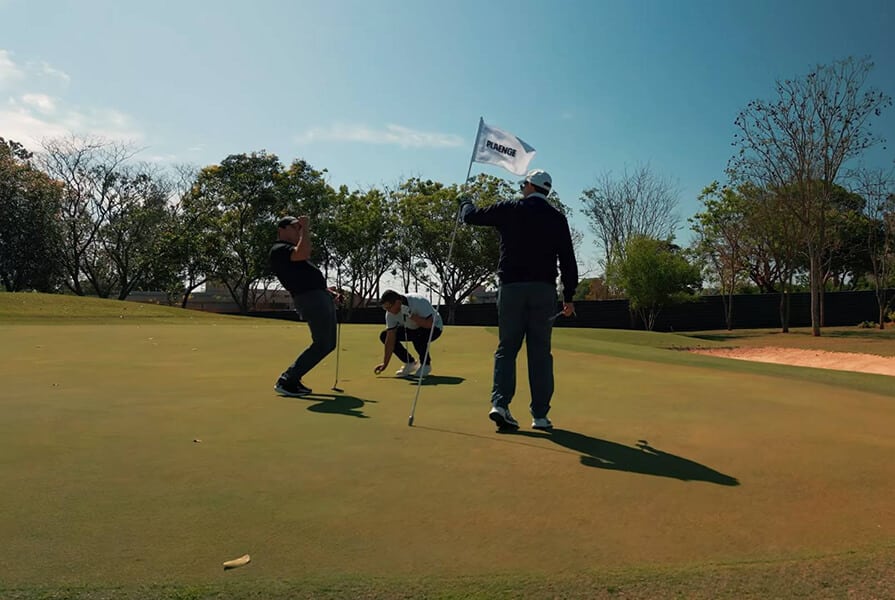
point(240, 197)
point(362, 235)
point(29, 223)
point(129, 239)
point(653, 274)
point(776, 242)
point(846, 259)
point(428, 211)
point(238, 202)
point(409, 264)
point(720, 229)
point(591, 288)
point(188, 245)
point(304, 191)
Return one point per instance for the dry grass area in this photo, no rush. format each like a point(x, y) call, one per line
point(852, 349)
point(820, 359)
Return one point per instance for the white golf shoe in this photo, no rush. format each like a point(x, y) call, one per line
point(408, 369)
point(503, 418)
point(541, 423)
point(423, 371)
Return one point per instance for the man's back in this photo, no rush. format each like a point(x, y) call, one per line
point(533, 235)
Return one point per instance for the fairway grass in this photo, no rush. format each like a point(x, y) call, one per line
point(136, 457)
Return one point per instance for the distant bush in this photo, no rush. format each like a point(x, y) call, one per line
point(868, 324)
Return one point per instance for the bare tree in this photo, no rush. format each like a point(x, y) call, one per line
point(878, 190)
point(87, 167)
point(639, 203)
point(799, 141)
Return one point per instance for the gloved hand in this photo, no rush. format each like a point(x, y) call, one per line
point(405, 312)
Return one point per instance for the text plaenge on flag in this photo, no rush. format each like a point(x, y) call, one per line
point(494, 146)
point(500, 148)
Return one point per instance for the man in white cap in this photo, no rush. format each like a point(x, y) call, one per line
point(533, 237)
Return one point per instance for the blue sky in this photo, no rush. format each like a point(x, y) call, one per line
point(376, 91)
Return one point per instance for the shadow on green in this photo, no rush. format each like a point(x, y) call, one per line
point(334, 404)
point(642, 458)
point(438, 380)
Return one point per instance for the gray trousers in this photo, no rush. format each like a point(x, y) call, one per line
point(318, 309)
point(523, 312)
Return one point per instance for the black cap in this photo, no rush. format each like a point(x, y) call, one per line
point(286, 222)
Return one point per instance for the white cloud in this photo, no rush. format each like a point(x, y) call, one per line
point(162, 158)
point(54, 73)
point(396, 135)
point(30, 114)
point(9, 71)
point(41, 102)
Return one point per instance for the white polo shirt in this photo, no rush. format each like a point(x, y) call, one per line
point(416, 305)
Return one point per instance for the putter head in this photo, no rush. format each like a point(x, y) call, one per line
point(336, 389)
point(410, 421)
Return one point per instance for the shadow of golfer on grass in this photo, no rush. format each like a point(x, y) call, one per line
point(438, 380)
point(339, 404)
point(641, 458)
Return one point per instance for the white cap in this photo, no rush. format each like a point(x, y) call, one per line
point(539, 178)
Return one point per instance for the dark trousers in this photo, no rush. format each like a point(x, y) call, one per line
point(523, 312)
point(419, 337)
point(317, 308)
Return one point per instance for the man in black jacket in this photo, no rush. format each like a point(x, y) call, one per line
point(289, 261)
point(533, 236)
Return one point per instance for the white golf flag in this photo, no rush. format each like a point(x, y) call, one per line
point(496, 147)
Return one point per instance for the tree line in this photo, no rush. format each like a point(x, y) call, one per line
point(82, 215)
point(797, 209)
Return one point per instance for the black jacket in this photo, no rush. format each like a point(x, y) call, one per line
point(533, 236)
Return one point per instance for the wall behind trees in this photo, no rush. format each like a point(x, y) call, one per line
point(750, 311)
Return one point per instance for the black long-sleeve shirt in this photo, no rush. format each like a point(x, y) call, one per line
point(533, 236)
point(297, 276)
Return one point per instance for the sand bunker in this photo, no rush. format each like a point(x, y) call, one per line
point(821, 359)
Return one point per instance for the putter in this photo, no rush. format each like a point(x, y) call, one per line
point(553, 318)
point(419, 383)
point(335, 387)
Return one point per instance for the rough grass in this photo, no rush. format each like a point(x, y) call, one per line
point(667, 477)
point(835, 339)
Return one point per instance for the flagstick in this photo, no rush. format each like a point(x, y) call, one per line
point(419, 383)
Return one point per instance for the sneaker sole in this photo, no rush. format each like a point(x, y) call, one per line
point(548, 428)
point(503, 424)
point(285, 392)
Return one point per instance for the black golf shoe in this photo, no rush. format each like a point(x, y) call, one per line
point(293, 390)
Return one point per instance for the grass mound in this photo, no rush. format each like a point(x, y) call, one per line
point(28, 307)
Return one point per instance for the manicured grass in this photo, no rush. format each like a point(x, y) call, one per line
point(66, 310)
point(669, 475)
